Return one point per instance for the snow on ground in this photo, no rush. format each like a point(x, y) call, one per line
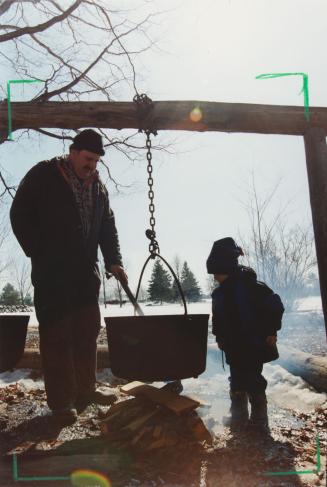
point(291, 392)
point(310, 303)
point(21, 377)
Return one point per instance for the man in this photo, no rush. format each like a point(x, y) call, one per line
point(60, 215)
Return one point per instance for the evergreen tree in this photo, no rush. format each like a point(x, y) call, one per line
point(189, 284)
point(28, 300)
point(159, 286)
point(9, 295)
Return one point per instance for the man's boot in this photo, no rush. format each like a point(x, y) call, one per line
point(239, 412)
point(64, 416)
point(102, 396)
point(259, 415)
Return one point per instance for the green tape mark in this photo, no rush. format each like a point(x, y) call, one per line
point(305, 87)
point(301, 472)
point(28, 479)
point(318, 454)
point(292, 472)
point(14, 467)
point(15, 81)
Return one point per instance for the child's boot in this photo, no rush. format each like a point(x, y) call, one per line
point(239, 409)
point(259, 415)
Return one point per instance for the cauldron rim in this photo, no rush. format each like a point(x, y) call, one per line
point(140, 318)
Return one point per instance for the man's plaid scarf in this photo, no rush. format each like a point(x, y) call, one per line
point(83, 192)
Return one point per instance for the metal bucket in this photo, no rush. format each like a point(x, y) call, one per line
point(156, 348)
point(13, 330)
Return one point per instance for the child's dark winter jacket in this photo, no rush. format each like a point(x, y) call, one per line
point(238, 320)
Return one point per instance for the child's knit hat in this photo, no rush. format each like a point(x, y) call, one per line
point(223, 256)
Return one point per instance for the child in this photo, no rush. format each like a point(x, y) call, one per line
point(246, 315)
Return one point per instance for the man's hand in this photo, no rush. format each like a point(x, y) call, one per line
point(119, 273)
point(271, 340)
point(220, 345)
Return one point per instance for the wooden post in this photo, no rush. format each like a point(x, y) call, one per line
point(316, 157)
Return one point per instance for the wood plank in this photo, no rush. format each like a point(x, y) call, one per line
point(165, 115)
point(175, 402)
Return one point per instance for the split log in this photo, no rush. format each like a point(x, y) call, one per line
point(121, 414)
point(191, 115)
point(311, 368)
point(176, 403)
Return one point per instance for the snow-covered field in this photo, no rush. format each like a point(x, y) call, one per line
point(311, 304)
point(149, 309)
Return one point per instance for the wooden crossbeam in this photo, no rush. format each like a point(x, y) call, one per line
point(191, 115)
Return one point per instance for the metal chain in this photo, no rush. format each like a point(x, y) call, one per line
point(144, 105)
point(150, 233)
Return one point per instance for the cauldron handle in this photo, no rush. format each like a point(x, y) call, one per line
point(152, 256)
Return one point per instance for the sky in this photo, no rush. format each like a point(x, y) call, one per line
point(212, 51)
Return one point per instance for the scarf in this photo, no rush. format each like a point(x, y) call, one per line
point(83, 193)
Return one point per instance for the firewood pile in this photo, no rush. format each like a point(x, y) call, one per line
point(154, 420)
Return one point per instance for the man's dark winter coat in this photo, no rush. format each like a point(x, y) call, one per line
point(236, 321)
point(47, 224)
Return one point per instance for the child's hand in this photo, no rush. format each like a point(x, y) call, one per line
point(220, 345)
point(271, 340)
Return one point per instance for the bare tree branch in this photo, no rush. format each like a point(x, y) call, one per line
point(282, 255)
point(117, 185)
point(48, 95)
point(8, 3)
point(89, 53)
point(8, 189)
point(55, 136)
point(40, 27)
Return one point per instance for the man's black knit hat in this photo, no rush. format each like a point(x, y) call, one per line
point(223, 256)
point(88, 140)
